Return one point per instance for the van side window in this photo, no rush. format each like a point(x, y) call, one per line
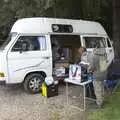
point(93, 42)
point(30, 43)
point(108, 43)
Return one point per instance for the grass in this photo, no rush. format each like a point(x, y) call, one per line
point(111, 110)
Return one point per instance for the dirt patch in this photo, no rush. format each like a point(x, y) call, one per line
point(16, 104)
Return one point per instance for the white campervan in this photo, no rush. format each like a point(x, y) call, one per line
point(36, 47)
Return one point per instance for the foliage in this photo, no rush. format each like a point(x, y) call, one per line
point(11, 10)
point(96, 10)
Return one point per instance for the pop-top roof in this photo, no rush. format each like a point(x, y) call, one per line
point(43, 26)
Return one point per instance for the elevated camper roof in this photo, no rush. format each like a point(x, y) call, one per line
point(43, 26)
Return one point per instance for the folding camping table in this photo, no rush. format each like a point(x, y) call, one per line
point(83, 84)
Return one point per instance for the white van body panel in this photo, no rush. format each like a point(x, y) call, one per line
point(20, 64)
point(16, 65)
point(43, 26)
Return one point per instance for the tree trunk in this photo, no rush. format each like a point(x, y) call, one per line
point(116, 27)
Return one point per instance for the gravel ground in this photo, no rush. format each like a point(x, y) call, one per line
point(16, 104)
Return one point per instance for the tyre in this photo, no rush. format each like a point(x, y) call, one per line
point(33, 83)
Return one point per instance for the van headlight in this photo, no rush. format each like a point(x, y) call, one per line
point(2, 74)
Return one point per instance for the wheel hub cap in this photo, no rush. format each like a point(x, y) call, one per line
point(35, 83)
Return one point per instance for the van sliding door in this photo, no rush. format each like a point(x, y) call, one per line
point(65, 47)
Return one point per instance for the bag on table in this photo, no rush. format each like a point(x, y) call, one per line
point(75, 72)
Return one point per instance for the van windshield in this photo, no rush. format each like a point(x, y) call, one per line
point(6, 42)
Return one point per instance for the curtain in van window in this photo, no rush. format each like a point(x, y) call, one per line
point(42, 42)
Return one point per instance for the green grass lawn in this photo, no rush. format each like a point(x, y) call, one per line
point(111, 110)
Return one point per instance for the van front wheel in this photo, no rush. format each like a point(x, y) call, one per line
point(33, 83)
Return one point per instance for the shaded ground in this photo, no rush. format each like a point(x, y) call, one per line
point(16, 104)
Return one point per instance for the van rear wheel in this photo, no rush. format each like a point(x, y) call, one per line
point(33, 83)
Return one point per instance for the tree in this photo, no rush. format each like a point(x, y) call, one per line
point(116, 26)
point(11, 10)
point(97, 10)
